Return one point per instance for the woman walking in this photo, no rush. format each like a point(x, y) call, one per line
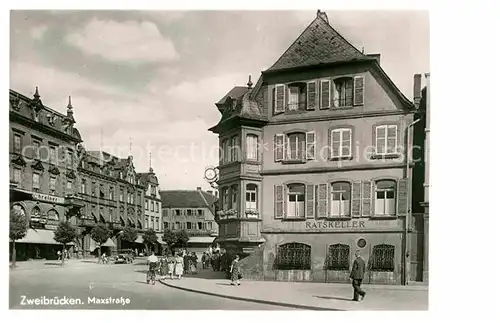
point(179, 265)
point(171, 265)
point(235, 271)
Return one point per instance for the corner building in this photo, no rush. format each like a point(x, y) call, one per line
point(314, 165)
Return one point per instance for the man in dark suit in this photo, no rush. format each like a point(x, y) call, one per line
point(357, 274)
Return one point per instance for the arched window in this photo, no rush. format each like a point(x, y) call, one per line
point(293, 256)
point(295, 201)
point(53, 215)
point(343, 92)
point(383, 258)
point(338, 257)
point(251, 197)
point(35, 212)
point(340, 199)
point(252, 144)
point(385, 197)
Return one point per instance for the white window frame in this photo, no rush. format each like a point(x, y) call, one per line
point(386, 139)
point(252, 146)
point(385, 200)
point(297, 214)
point(342, 213)
point(289, 101)
point(342, 132)
point(288, 152)
point(52, 179)
point(37, 182)
point(252, 191)
point(321, 94)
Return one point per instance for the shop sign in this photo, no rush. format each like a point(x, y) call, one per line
point(352, 224)
point(48, 198)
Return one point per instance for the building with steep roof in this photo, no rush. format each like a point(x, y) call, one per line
point(314, 165)
point(192, 211)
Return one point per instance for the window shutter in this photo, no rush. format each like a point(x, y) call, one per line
point(322, 200)
point(366, 196)
point(325, 94)
point(359, 90)
point(356, 199)
point(279, 98)
point(279, 147)
point(310, 201)
point(335, 95)
point(311, 95)
point(279, 200)
point(402, 193)
point(310, 145)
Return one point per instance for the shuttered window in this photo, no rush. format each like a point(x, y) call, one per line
point(340, 202)
point(310, 201)
point(311, 95)
point(279, 208)
point(325, 94)
point(310, 145)
point(279, 147)
point(385, 198)
point(322, 197)
point(343, 92)
point(296, 144)
point(341, 140)
point(295, 202)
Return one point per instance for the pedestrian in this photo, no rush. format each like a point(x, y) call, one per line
point(203, 260)
point(357, 274)
point(179, 265)
point(194, 264)
point(235, 271)
point(171, 265)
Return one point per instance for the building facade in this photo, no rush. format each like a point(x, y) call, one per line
point(192, 211)
point(53, 178)
point(43, 146)
point(315, 165)
point(152, 201)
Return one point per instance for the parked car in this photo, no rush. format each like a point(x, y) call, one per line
point(125, 256)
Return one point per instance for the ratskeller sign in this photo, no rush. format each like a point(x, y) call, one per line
point(352, 224)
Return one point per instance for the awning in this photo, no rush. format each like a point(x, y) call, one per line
point(40, 236)
point(109, 243)
point(201, 239)
point(139, 239)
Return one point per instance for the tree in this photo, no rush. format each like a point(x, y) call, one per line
point(100, 234)
point(18, 230)
point(65, 233)
point(170, 238)
point(129, 234)
point(182, 238)
point(150, 238)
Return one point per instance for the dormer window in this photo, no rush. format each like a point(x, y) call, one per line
point(296, 97)
point(343, 93)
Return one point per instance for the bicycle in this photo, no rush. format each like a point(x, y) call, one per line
point(151, 274)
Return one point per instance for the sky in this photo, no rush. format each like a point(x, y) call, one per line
point(147, 81)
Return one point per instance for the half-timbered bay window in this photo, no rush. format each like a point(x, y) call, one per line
point(386, 139)
point(341, 141)
point(340, 204)
point(338, 257)
point(383, 258)
point(252, 146)
point(296, 197)
point(293, 256)
point(297, 146)
point(385, 197)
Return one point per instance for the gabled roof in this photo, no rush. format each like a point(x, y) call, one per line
point(318, 44)
point(186, 199)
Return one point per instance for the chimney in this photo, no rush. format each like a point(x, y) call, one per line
point(417, 89)
point(198, 188)
point(377, 56)
point(322, 15)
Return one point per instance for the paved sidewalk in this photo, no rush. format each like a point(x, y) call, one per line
point(54, 264)
point(313, 296)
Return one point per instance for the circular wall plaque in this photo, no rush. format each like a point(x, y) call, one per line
point(361, 243)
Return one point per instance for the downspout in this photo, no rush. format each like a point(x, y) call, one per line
point(409, 154)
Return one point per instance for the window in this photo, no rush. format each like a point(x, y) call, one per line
point(386, 139)
point(177, 225)
point(121, 195)
point(157, 207)
point(279, 98)
point(101, 191)
point(200, 225)
point(83, 187)
point(110, 215)
point(70, 159)
point(234, 196)
point(293, 256)
point(296, 198)
point(209, 226)
point(341, 198)
point(383, 258)
point(157, 227)
point(146, 205)
point(36, 149)
point(189, 225)
point(296, 146)
point(153, 190)
point(251, 197)
point(200, 212)
point(166, 226)
point(152, 206)
point(52, 184)
point(111, 193)
point(325, 94)
point(17, 175)
point(252, 147)
point(226, 150)
point(385, 200)
point(311, 95)
point(93, 188)
point(36, 181)
point(178, 212)
point(17, 143)
point(53, 155)
point(225, 198)
point(189, 212)
point(343, 93)
point(341, 143)
point(296, 96)
point(234, 149)
point(69, 186)
point(35, 212)
point(338, 257)
point(53, 215)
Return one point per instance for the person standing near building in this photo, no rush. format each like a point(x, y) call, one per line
point(235, 271)
point(179, 265)
point(357, 274)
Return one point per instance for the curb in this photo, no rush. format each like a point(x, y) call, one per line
point(260, 301)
